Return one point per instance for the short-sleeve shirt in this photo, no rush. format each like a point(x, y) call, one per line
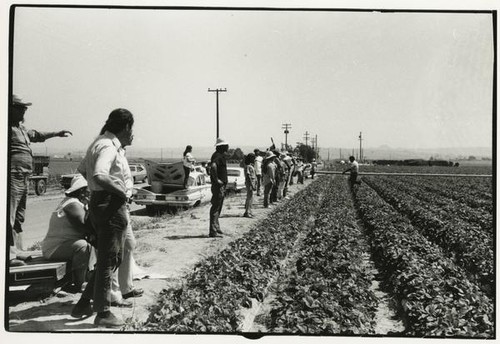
point(354, 167)
point(21, 156)
point(105, 156)
point(258, 165)
point(220, 160)
point(188, 160)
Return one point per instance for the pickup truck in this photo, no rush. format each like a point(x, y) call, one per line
point(167, 187)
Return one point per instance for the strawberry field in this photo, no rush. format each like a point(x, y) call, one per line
point(328, 260)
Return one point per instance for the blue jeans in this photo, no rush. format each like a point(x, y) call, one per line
point(108, 214)
point(17, 207)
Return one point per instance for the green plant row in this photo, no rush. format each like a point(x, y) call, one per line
point(220, 286)
point(475, 193)
point(329, 290)
point(472, 248)
point(444, 207)
point(436, 296)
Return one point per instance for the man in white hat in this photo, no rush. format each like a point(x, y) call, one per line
point(21, 161)
point(218, 178)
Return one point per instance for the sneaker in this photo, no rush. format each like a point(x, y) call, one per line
point(82, 309)
point(109, 320)
point(137, 292)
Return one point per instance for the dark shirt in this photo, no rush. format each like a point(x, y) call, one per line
point(220, 160)
point(21, 156)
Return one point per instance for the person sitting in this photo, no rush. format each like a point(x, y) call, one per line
point(66, 237)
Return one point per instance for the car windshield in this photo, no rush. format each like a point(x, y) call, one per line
point(233, 173)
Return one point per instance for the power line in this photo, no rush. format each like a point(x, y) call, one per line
point(306, 136)
point(286, 126)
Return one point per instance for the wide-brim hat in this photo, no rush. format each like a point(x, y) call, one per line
point(221, 142)
point(16, 100)
point(77, 183)
point(269, 155)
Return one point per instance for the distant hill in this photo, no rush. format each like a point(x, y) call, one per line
point(382, 152)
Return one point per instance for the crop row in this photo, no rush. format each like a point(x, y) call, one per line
point(329, 289)
point(435, 294)
point(474, 192)
point(472, 248)
point(221, 286)
point(447, 208)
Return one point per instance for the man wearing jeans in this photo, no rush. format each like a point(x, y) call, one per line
point(21, 161)
point(218, 179)
point(104, 167)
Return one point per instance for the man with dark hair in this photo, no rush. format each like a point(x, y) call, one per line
point(258, 168)
point(354, 169)
point(218, 178)
point(104, 167)
point(21, 161)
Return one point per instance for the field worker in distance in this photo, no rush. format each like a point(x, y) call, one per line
point(314, 167)
point(21, 160)
point(188, 162)
point(273, 196)
point(258, 168)
point(218, 179)
point(300, 171)
point(250, 183)
point(283, 169)
point(104, 168)
point(68, 231)
point(268, 176)
point(354, 169)
point(288, 168)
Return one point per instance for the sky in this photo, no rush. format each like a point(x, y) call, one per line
point(406, 80)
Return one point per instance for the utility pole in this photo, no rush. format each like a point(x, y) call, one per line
point(306, 136)
point(316, 143)
point(286, 126)
point(360, 149)
point(217, 105)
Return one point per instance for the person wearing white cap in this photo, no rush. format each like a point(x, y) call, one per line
point(218, 179)
point(21, 160)
point(68, 230)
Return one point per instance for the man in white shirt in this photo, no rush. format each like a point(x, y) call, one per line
point(105, 167)
point(354, 169)
point(258, 168)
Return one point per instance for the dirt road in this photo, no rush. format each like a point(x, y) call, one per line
point(169, 246)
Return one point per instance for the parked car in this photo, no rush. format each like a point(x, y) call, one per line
point(160, 194)
point(235, 179)
point(138, 172)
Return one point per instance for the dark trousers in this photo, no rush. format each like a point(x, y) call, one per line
point(218, 193)
point(274, 192)
point(353, 179)
point(259, 182)
point(17, 207)
point(267, 190)
point(108, 214)
point(187, 170)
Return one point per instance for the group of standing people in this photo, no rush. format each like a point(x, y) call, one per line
point(93, 217)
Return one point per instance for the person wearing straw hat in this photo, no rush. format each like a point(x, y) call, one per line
point(69, 229)
point(21, 160)
point(218, 179)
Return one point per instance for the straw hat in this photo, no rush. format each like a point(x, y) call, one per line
point(77, 183)
point(16, 100)
point(269, 155)
point(221, 142)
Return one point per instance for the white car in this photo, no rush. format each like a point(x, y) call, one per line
point(197, 192)
point(138, 172)
point(235, 179)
